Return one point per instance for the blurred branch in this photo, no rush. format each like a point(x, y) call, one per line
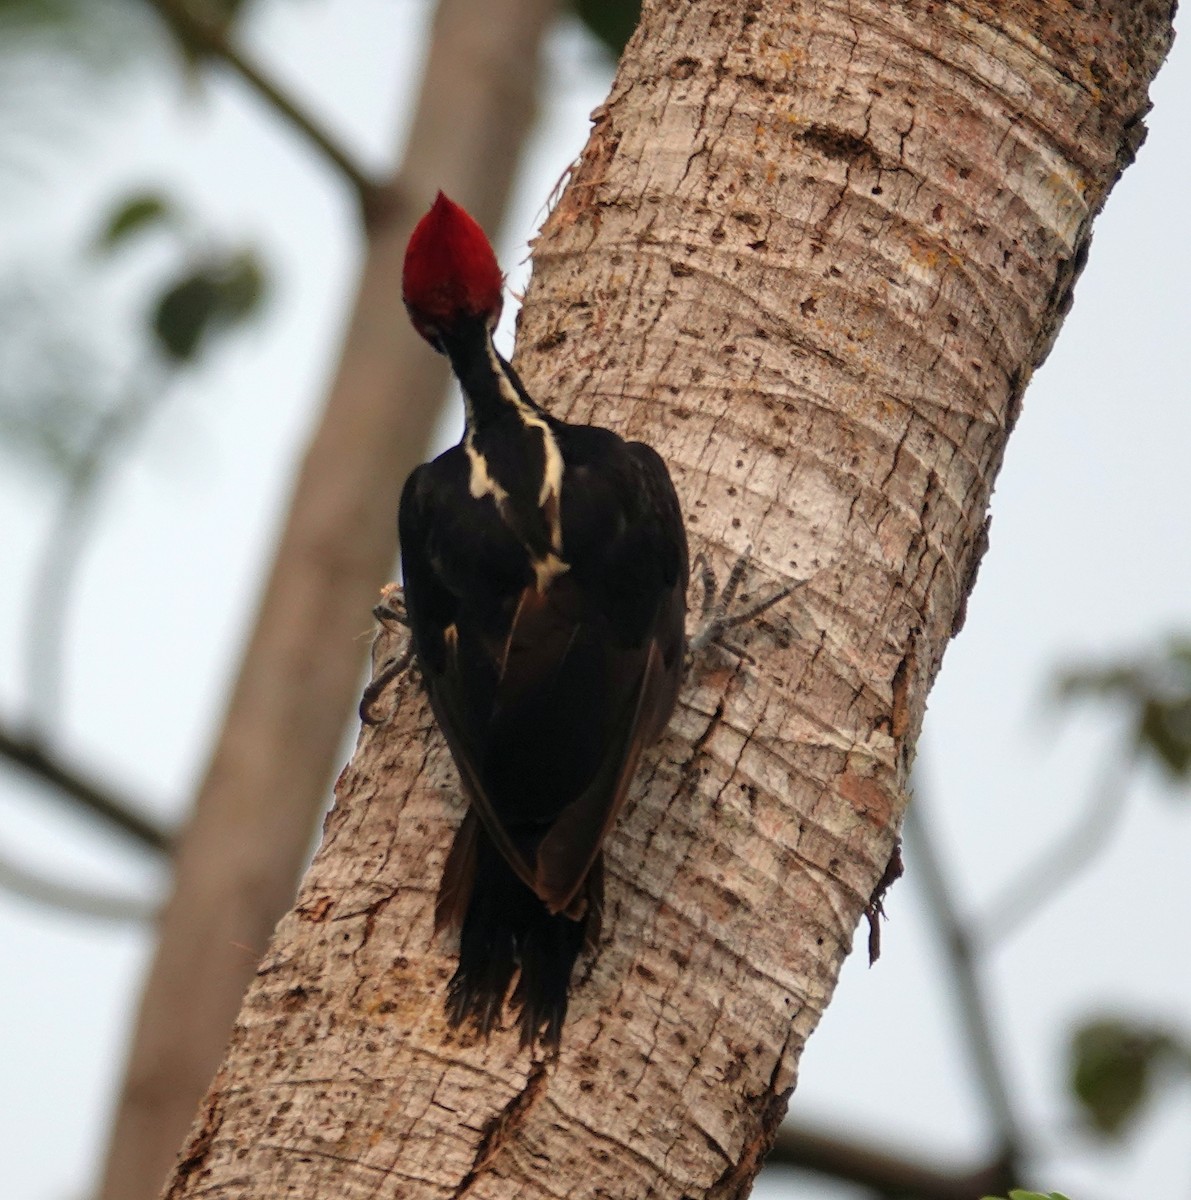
point(213, 294)
point(77, 902)
point(1037, 883)
point(60, 556)
point(112, 809)
point(211, 37)
point(889, 1176)
point(958, 944)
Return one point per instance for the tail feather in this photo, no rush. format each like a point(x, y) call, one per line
point(507, 932)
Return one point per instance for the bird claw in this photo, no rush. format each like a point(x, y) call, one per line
point(390, 612)
point(716, 619)
point(391, 609)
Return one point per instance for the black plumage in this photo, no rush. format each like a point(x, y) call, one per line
point(545, 569)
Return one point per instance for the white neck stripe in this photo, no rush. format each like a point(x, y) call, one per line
point(482, 483)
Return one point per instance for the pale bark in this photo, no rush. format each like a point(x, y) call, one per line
point(239, 860)
point(812, 253)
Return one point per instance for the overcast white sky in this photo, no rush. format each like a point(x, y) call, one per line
point(1088, 557)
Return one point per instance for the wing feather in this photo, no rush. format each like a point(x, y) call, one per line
point(566, 854)
point(546, 711)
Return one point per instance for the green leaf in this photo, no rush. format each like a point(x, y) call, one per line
point(184, 314)
point(611, 21)
point(136, 214)
point(213, 297)
point(1112, 1064)
point(243, 287)
point(1156, 689)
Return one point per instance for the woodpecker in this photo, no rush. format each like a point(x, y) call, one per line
point(545, 571)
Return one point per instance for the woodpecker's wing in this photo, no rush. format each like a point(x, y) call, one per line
point(435, 609)
point(547, 698)
point(634, 576)
point(566, 680)
point(571, 847)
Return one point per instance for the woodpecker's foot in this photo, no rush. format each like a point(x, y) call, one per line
point(716, 616)
point(391, 609)
point(390, 612)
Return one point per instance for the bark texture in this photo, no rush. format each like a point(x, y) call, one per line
point(812, 253)
point(239, 860)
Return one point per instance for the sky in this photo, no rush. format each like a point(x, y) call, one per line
point(1088, 560)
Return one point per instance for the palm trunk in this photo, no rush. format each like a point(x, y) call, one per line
point(812, 253)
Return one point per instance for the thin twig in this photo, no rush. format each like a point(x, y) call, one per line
point(76, 901)
point(962, 955)
point(1054, 869)
point(114, 810)
point(212, 37)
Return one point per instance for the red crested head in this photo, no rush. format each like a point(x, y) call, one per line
point(450, 272)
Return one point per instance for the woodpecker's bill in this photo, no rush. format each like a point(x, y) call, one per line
point(545, 571)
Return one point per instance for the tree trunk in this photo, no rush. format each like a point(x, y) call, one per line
point(812, 253)
point(239, 860)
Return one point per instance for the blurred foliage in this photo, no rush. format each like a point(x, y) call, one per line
point(93, 31)
point(104, 34)
point(58, 375)
point(1114, 1064)
point(58, 60)
point(212, 297)
point(611, 21)
point(63, 369)
point(211, 290)
point(1018, 1194)
point(52, 397)
point(85, 27)
point(63, 62)
point(135, 214)
point(1156, 689)
point(46, 429)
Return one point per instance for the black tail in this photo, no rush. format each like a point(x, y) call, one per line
point(506, 929)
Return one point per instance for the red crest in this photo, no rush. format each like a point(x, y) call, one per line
point(450, 270)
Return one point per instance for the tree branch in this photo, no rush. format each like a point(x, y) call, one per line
point(114, 810)
point(1054, 869)
point(76, 901)
point(973, 1008)
point(887, 1174)
point(211, 37)
point(62, 550)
